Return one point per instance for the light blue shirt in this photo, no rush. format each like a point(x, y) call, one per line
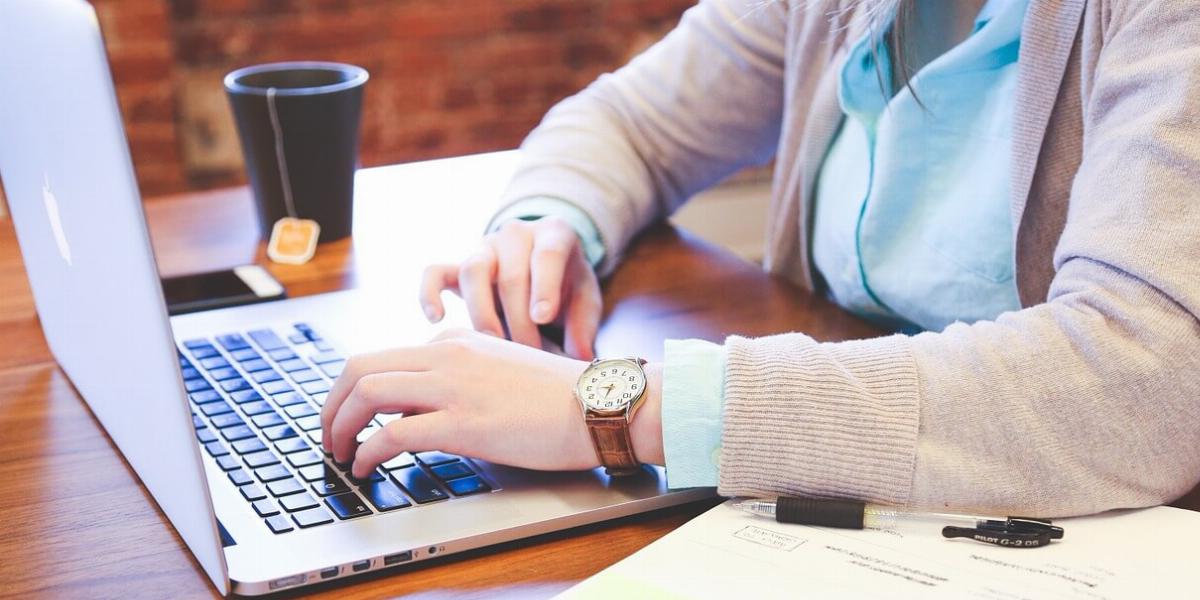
point(911, 227)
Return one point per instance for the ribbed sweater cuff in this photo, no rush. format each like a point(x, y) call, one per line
point(832, 420)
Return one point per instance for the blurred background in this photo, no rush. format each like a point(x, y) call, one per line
point(448, 77)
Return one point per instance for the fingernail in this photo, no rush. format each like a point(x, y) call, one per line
point(432, 314)
point(541, 311)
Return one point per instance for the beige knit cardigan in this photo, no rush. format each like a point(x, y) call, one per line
point(1087, 399)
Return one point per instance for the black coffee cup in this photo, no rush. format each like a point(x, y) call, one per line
point(299, 127)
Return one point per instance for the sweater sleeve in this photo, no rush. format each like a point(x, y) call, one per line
point(697, 106)
point(1084, 403)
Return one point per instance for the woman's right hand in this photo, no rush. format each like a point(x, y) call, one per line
point(537, 272)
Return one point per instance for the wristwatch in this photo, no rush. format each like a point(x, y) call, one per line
point(610, 392)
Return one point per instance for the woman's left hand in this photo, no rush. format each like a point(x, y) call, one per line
point(472, 394)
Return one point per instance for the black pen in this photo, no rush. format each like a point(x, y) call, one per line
point(1011, 532)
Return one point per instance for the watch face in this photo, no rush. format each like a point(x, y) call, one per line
point(610, 385)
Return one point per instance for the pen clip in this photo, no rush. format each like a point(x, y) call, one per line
point(1013, 532)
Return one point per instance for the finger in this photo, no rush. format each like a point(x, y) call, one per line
point(475, 278)
point(389, 393)
point(436, 279)
point(584, 305)
point(410, 433)
point(548, 264)
point(512, 285)
point(396, 359)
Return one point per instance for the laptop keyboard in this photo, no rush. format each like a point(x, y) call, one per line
point(256, 399)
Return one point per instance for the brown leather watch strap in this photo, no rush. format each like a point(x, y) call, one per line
point(614, 447)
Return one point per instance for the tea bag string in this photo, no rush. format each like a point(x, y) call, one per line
point(280, 159)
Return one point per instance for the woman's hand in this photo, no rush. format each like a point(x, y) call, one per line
point(471, 394)
point(538, 272)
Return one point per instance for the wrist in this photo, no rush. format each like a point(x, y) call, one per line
point(646, 426)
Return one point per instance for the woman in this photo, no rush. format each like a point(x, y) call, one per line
point(1010, 184)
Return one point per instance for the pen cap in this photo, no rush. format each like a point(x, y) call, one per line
point(846, 514)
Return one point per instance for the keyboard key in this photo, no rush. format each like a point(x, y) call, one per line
point(309, 423)
point(334, 369)
point(258, 407)
point(277, 387)
point(279, 432)
point(265, 508)
point(227, 420)
point(272, 473)
point(205, 435)
point(312, 517)
point(223, 374)
point(315, 387)
point(322, 346)
point(197, 422)
point(235, 385)
point(189, 373)
point(205, 396)
point(266, 376)
point(298, 338)
point(314, 472)
point(452, 470)
point(294, 364)
point(252, 492)
point(298, 411)
point(244, 354)
point(260, 459)
point(435, 458)
point(228, 463)
point(240, 432)
point(384, 496)
point(315, 434)
point(214, 362)
point(366, 433)
point(324, 358)
point(252, 366)
point(287, 399)
point(303, 459)
point(216, 449)
point(266, 420)
point(232, 341)
point(299, 502)
point(196, 385)
point(404, 459)
point(291, 445)
point(215, 408)
point(374, 477)
point(467, 486)
point(244, 396)
point(193, 344)
point(239, 477)
point(304, 376)
point(249, 446)
point(285, 487)
point(205, 352)
point(330, 484)
point(348, 506)
point(280, 524)
point(281, 354)
point(418, 485)
point(266, 339)
point(319, 398)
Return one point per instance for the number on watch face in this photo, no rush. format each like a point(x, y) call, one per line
point(610, 385)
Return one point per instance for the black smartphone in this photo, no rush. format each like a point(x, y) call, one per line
point(247, 284)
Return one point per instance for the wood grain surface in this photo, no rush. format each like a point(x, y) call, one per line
point(77, 523)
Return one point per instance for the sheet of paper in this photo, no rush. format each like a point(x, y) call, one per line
point(724, 553)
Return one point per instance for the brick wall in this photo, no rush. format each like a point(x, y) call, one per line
point(447, 76)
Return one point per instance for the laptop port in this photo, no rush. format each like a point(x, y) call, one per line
point(330, 572)
point(400, 557)
point(361, 565)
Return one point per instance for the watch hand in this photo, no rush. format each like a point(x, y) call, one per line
point(610, 389)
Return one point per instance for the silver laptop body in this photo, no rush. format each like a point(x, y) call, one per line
point(79, 220)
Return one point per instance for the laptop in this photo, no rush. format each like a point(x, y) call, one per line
point(216, 411)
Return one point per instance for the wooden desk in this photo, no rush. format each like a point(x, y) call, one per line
point(78, 523)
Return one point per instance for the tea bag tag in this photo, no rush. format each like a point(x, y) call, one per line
point(293, 241)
